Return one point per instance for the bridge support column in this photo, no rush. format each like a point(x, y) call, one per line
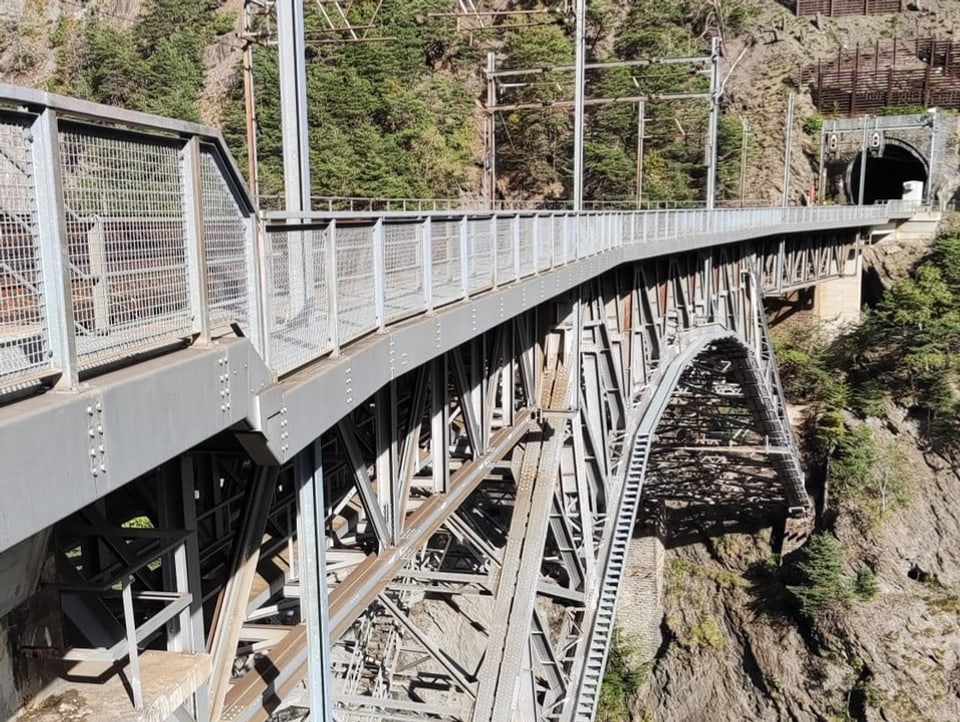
point(641, 592)
point(836, 302)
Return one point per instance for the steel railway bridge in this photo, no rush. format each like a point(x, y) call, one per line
point(398, 455)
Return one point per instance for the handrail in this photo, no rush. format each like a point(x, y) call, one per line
point(123, 233)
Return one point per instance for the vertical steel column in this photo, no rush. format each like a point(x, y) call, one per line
point(712, 138)
point(578, 102)
point(54, 252)
point(296, 147)
point(385, 433)
point(439, 426)
point(178, 509)
point(314, 610)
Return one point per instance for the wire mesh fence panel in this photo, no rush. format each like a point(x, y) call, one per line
point(445, 262)
point(479, 254)
point(126, 236)
point(559, 240)
point(618, 231)
point(527, 233)
point(544, 242)
point(226, 242)
point(680, 224)
point(24, 339)
point(403, 269)
point(661, 226)
point(356, 308)
point(588, 226)
point(298, 297)
point(506, 270)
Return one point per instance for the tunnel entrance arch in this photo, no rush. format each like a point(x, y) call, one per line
point(887, 171)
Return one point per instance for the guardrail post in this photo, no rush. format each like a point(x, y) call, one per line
point(577, 221)
point(379, 279)
point(54, 250)
point(195, 248)
point(464, 260)
point(535, 240)
point(515, 226)
point(258, 299)
point(332, 296)
point(494, 256)
point(426, 247)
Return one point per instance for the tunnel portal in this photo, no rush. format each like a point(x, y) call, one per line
point(886, 173)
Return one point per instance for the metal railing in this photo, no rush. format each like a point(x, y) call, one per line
point(387, 268)
point(122, 233)
point(467, 204)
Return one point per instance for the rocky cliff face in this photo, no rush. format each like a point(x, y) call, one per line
point(735, 650)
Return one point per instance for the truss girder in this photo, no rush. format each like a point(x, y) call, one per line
point(477, 509)
point(800, 261)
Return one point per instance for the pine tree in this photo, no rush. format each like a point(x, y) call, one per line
point(822, 588)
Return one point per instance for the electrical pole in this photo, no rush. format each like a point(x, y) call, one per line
point(293, 105)
point(744, 139)
point(250, 106)
point(714, 123)
point(821, 173)
point(580, 77)
point(863, 162)
point(490, 151)
point(641, 122)
point(296, 148)
point(788, 149)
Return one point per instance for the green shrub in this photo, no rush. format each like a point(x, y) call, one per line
point(865, 584)
point(911, 342)
point(813, 125)
point(871, 478)
point(622, 680)
point(707, 634)
point(822, 588)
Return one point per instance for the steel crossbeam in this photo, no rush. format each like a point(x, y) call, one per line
point(530, 521)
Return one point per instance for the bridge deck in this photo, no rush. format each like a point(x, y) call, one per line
point(95, 271)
